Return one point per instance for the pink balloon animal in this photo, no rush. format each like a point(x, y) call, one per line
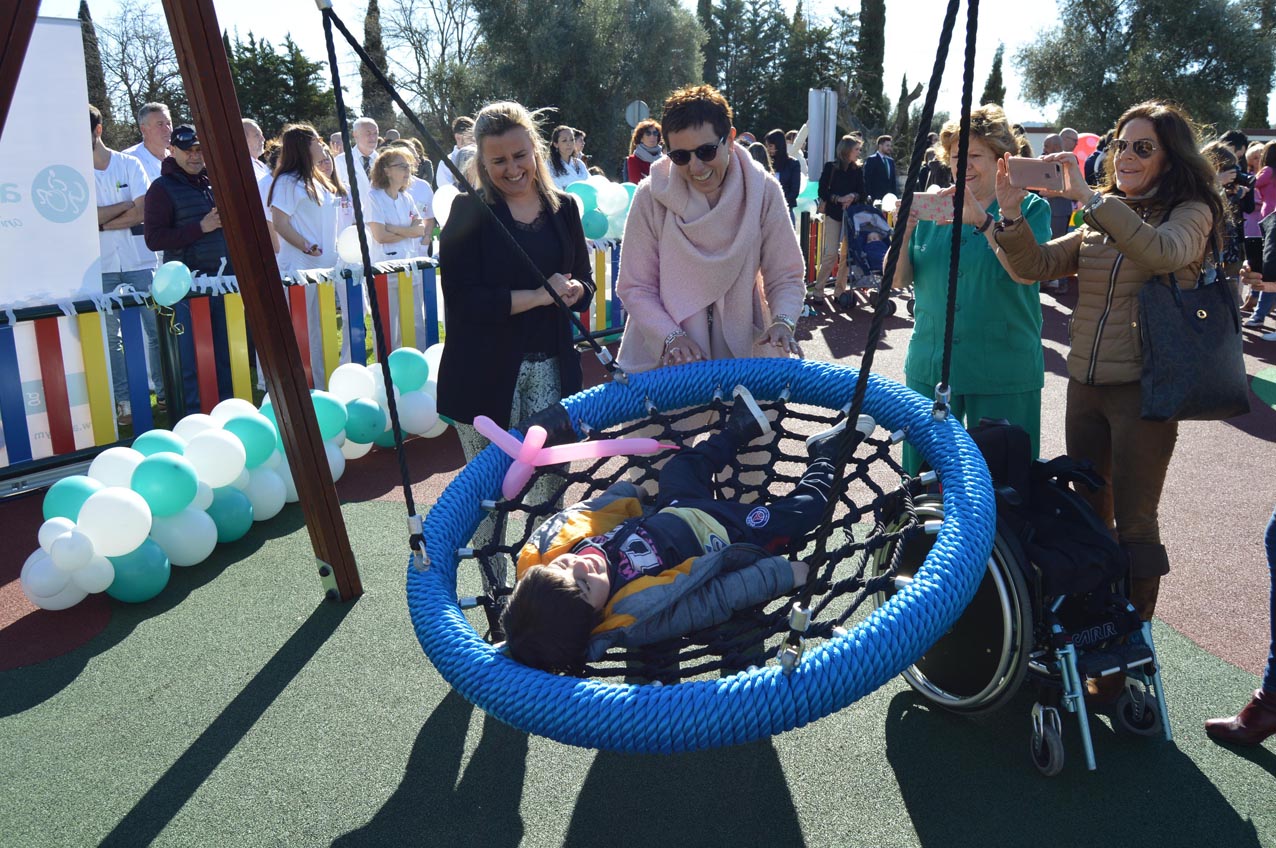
point(531, 452)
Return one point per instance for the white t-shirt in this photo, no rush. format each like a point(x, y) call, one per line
point(576, 171)
point(399, 212)
point(422, 196)
point(152, 166)
point(315, 220)
point(124, 179)
point(260, 169)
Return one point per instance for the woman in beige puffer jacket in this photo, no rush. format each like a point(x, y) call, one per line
point(1154, 215)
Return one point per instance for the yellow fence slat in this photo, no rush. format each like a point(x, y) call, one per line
point(600, 293)
point(327, 294)
point(93, 349)
point(237, 343)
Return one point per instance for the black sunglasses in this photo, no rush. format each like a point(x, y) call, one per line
point(705, 153)
point(1142, 147)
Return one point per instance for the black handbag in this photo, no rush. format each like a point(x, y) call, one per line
point(1193, 365)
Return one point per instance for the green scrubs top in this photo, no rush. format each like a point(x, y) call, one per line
point(997, 325)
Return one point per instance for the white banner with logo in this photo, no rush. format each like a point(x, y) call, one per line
point(48, 223)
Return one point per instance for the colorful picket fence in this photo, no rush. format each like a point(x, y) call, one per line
point(56, 400)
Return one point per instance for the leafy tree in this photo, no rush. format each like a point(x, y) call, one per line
point(1260, 86)
point(805, 63)
point(279, 86)
point(754, 36)
point(712, 49)
point(869, 58)
point(1106, 55)
point(995, 88)
point(376, 100)
point(138, 61)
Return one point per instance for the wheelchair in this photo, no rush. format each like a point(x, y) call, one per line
point(1050, 609)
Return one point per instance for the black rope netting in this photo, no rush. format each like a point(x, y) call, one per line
point(854, 560)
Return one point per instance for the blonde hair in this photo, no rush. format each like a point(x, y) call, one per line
point(378, 177)
point(987, 123)
point(499, 118)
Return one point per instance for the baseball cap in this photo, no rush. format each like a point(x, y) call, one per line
point(183, 137)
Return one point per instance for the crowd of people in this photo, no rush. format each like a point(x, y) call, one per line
point(711, 266)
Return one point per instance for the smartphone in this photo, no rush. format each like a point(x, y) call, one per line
point(934, 207)
point(1035, 174)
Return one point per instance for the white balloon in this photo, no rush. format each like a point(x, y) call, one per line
point(188, 537)
point(417, 413)
point(267, 493)
point(436, 431)
point(203, 496)
point(336, 461)
point(95, 576)
point(71, 551)
point(241, 482)
point(354, 450)
point(612, 198)
point(433, 354)
point(114, 466)
point(231, 408)
point(290, 487)
point(598, 182)
point(41, 578)
point(272, 461)
point(217, 455)
point(442, 203)
point(52, 529)
point(339, 439)
point(194, 424)
point(70, 595)
point(116, 520)
point(351, 381)
point(348, 246)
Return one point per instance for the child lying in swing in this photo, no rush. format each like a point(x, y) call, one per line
point(601, 574)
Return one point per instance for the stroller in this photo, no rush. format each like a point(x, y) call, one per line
point(868, 238)
point(1051, 607)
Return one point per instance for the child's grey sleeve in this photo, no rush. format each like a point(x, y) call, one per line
point(715, 601)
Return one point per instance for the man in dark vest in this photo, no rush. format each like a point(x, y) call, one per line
point(182, 222)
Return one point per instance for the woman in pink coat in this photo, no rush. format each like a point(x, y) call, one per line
point(710, 266)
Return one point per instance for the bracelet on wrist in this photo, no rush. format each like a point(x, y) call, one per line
point(785, 320)
point(1008, 222)
point(676, 334)
point(988, 221)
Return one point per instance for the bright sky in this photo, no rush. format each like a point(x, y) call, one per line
point(912, 36)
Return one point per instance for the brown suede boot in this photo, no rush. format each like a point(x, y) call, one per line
point(1148, 564)
point(1143, 594)
point(1250, 726)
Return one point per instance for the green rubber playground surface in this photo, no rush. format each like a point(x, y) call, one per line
point(237, 709)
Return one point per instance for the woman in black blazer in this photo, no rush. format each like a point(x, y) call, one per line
point(508, 353)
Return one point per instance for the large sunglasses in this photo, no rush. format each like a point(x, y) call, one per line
point(1142, 147)
point(705, 153)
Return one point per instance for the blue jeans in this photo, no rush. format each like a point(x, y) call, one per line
point(686, 480)
point(141, 281)
point(1266, 301)
point(1269, 676)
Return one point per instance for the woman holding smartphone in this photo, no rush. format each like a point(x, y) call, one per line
point(1153, 214)
point(997, 366)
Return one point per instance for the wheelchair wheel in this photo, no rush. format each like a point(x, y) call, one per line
point(1047, 750)
point(1138, 714)
point(979, 664)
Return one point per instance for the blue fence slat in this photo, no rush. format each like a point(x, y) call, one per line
point(356, 330)
point(13, 410)
point(430, 290)
point(139, 388)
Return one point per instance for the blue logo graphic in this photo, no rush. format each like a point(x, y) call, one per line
point(60, 194)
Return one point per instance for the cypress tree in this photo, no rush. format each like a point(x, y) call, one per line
point(712, 45)
point(93, 65)
point(995, 88)
point(376, 100)
point(870, 62)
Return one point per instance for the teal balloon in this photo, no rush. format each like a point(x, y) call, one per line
point(258, 435)
point(167, 482)
point(330, 412)
point(408, 370)
point(172, 283)
point(585, 192)
point(140, 575)
point(65, 497)
point(631, 188)
point(594, 223)
point(385, 440)
point(232, 512)
point(159, 441)
point(811, 191)
point(269, 412)
point(365, 420)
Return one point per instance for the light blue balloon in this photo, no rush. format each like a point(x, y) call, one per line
point(365, 420)
point(65, 497)
point(232, 512)
point(585, 192)
point(269, 412)
point(330, 412)
point(408, 369)
point(631, 188)
point(258, 435)
point(159, 441)
point(172, 283)
point(594, 223)
point(166, 481)
point(140, 575)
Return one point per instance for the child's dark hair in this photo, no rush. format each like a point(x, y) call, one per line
point(547, 623)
